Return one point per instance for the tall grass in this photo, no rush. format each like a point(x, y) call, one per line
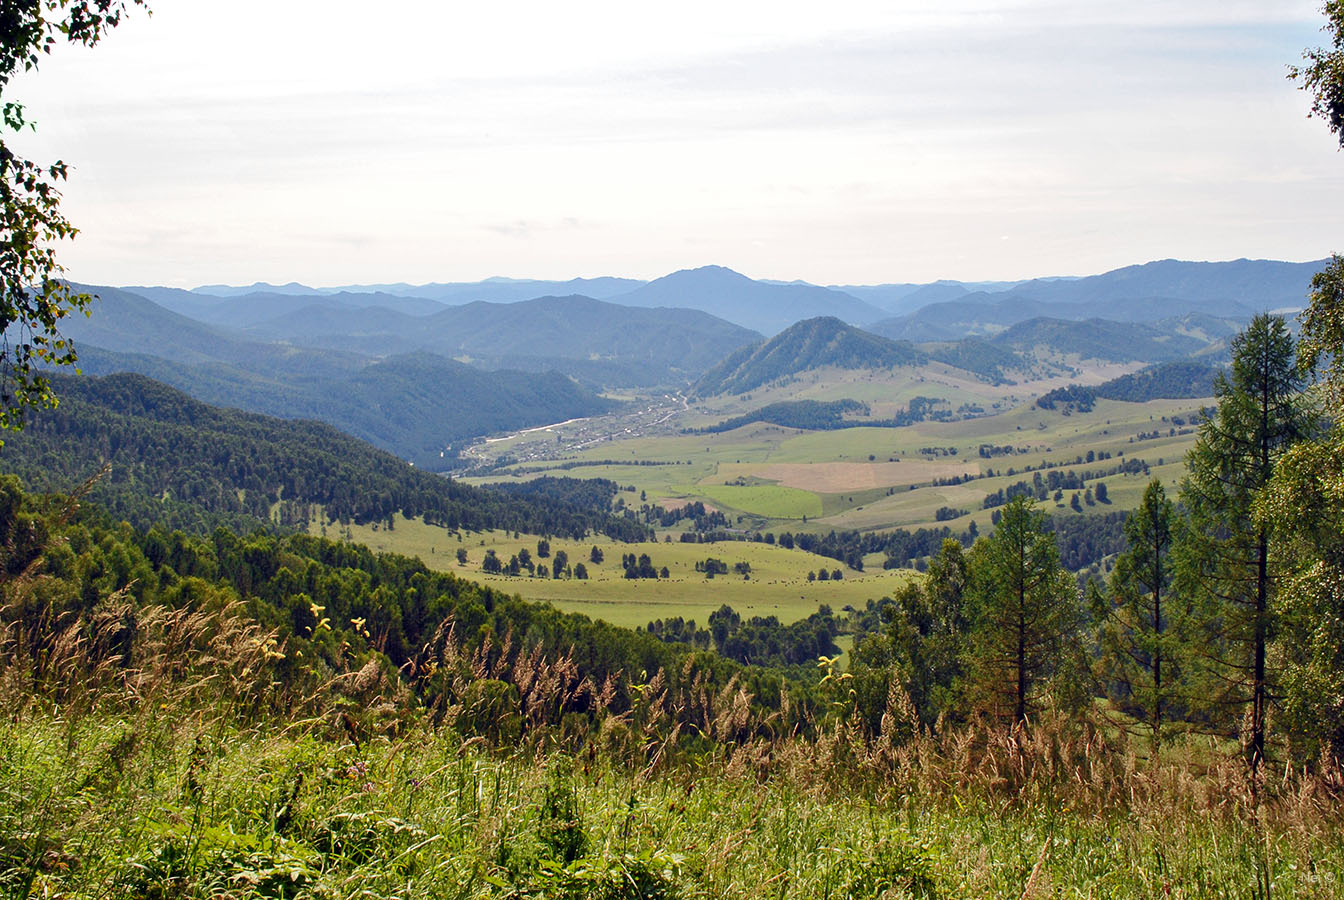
point(152, 752)
point(173, 806)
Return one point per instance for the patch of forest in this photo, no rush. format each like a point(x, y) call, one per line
point(1179, 380)
point(180, 463)
point(979, 356)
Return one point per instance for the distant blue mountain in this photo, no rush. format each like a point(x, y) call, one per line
point(1252, 285)
point(492, 290)
point(938, 311)
point(260, 287)
point(767, 307)
point(1147, 293)
point(904, 298)
point(651, 346)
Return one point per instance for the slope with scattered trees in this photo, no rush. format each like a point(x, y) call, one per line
point(810, 344)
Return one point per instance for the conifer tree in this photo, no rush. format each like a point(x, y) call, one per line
point(1144, 627)
point(1023, 611)
point(922, 644)
point(1225, 565)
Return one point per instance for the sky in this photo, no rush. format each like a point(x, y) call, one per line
point(848, 142)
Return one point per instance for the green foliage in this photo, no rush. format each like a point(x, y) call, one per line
point(922, 645)
point(1144, 630)
point(895, 866)
point(1323, 331)
point(561, 822)
point(34, 296)
point(1323, 76)
point(1305, 508)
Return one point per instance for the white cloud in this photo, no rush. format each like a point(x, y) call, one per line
point(841, 143)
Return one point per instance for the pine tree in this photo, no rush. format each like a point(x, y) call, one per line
point(1143, 627)
point(1225, 564)
point(1023, 610)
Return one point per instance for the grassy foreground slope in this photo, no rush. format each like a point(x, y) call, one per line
point(128, 805)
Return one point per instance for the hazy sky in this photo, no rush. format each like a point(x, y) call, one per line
point(839, 142)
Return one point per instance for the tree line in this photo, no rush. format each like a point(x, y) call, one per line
point(758, 640)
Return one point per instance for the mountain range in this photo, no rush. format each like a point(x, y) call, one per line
point(1145, 293)
point(940, 310)
point(419, 405)
point(421, 370)
point(660, 345)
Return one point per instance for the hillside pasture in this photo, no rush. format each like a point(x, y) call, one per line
point(777, 586)
point(772, 501)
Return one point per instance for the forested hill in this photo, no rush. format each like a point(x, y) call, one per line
point(181, 463)
point(810, 344)
point(414, 406)
point(1101, 339)
point(667, 345)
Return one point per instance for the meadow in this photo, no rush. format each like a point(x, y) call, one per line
point(767, 477)
point(777, 584)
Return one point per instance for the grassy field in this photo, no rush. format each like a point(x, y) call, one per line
point(772, 501)
point(778, 584)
